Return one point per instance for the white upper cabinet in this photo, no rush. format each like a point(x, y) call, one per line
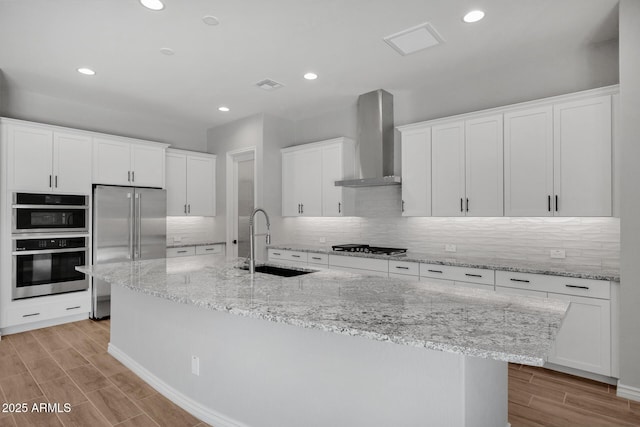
point(484, 164)
point(309, 172)
point(466, 167)
point(416, 174)
point(447, 169)
point(190, 183)
point(131, 163)
point(528, 162)
point(582, 157)
point(44, 159)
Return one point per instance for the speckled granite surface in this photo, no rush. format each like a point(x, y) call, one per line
point(591, 272)
point(180, 245)
point(459, 320)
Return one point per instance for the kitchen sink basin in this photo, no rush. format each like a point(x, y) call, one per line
point(279, 271)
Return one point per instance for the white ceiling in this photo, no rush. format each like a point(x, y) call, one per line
point(42, 42)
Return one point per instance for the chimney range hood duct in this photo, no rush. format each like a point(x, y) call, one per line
point(375, 141)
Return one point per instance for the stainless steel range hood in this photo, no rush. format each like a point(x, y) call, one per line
point(375, 141)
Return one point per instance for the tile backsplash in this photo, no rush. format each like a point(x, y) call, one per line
point(586, 241)
point(190, 230)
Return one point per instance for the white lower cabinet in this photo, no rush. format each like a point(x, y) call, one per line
point(294, 258)
point(368, 266)
point(183, 251)
point(217, 249)
point(46, 308)
point(584, 341)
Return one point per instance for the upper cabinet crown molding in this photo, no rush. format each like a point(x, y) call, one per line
point(575, 96)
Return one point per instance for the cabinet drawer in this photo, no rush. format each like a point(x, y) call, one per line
point(75, 305)
point(177, 252)
point(284, 255)
point(208, 249)
point(518, 291)
point(474, 285)
point(322, 259)
point(404, 267)
point(27, 314)
point(371, 264)
point(459, 274)
point(556, 284)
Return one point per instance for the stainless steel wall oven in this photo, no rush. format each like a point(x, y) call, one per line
point(46, 266)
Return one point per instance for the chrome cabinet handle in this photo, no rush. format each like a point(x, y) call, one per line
point(128, 176)
point(339, 207)
point(295, 256)
point(133, 176)
point(549, 203)
point(435, 271)
point(402, 268)
point(182, 252)
point(403, 206)
point(50, 178)
point(56, 181)
point(73, 308)
point(556, 203)
point(188, 208)
point(519, 280)
point(301, 208)
point(461, 208)
point(208, 249)
point(277, 253)
point(185, 208)
point(473, 275)
point(31, 314)
point(467, 204)
point(316, 257)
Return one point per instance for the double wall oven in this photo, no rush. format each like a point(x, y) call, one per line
point(50, 238)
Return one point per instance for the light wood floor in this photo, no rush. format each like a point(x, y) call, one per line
point(540, 397)
point(69, 363)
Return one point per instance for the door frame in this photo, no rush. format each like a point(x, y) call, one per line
point(232, 158)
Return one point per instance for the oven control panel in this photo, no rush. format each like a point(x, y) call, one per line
point(45, 244)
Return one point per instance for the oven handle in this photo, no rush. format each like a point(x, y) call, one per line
point(50, 207)
point(50, 251)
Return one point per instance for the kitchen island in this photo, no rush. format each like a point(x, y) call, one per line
point(325, 348)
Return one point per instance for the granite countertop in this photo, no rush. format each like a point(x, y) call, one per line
point(186, 245)
point(421, 314)
point(521, 266)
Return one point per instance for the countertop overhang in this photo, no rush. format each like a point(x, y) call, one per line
point(420, 314)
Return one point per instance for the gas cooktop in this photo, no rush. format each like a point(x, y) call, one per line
point(354, 247)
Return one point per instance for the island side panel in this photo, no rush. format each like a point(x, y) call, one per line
point(259, 373)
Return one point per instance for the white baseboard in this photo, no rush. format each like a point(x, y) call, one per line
point(205, 414)
point(628, 392)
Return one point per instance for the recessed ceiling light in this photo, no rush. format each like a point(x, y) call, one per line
point(152, 4)
point(223, 109)
point(311, 76)
point(86, 71)
point(473, 16)
point(210, 20)
point(167, 51)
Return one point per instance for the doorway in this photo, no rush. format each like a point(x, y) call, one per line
point(240, 200)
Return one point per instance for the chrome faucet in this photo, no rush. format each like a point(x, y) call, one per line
point(252, 236)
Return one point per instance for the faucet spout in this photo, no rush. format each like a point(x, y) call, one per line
point(252, 237)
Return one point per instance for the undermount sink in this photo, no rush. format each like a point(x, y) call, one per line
point(279, 271)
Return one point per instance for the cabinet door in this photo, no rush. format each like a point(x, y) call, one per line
point(72, 163)
point(111, 162)
point(528, 162)
point(416, 173)
point(584, 340)
point(201, 173)
point(290, 204)
point(484, 166)
point(332, 171)
point(31, 154)
point(147, 166)
point(308, 181)
point(447, 169)
point(176, 183)
point(582, 157)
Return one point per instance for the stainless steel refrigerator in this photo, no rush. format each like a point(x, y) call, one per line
point(129, 223)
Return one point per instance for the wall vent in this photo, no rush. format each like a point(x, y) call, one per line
point(414, 39)
point(268, 84)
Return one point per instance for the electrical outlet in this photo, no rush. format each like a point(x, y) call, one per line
point(195, 365)
point(450, 248)
point(323, 240)
point(557, 253)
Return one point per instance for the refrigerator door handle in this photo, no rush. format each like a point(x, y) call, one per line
point(130, 224)
point(139, 226)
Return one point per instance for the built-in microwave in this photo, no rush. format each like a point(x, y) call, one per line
point(47, 266)
point(42, 213)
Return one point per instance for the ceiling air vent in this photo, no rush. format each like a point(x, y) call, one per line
point(268, 84)
point(414, 39)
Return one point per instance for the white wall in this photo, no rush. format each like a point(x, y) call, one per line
point(37, 107)
point(629, 133)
